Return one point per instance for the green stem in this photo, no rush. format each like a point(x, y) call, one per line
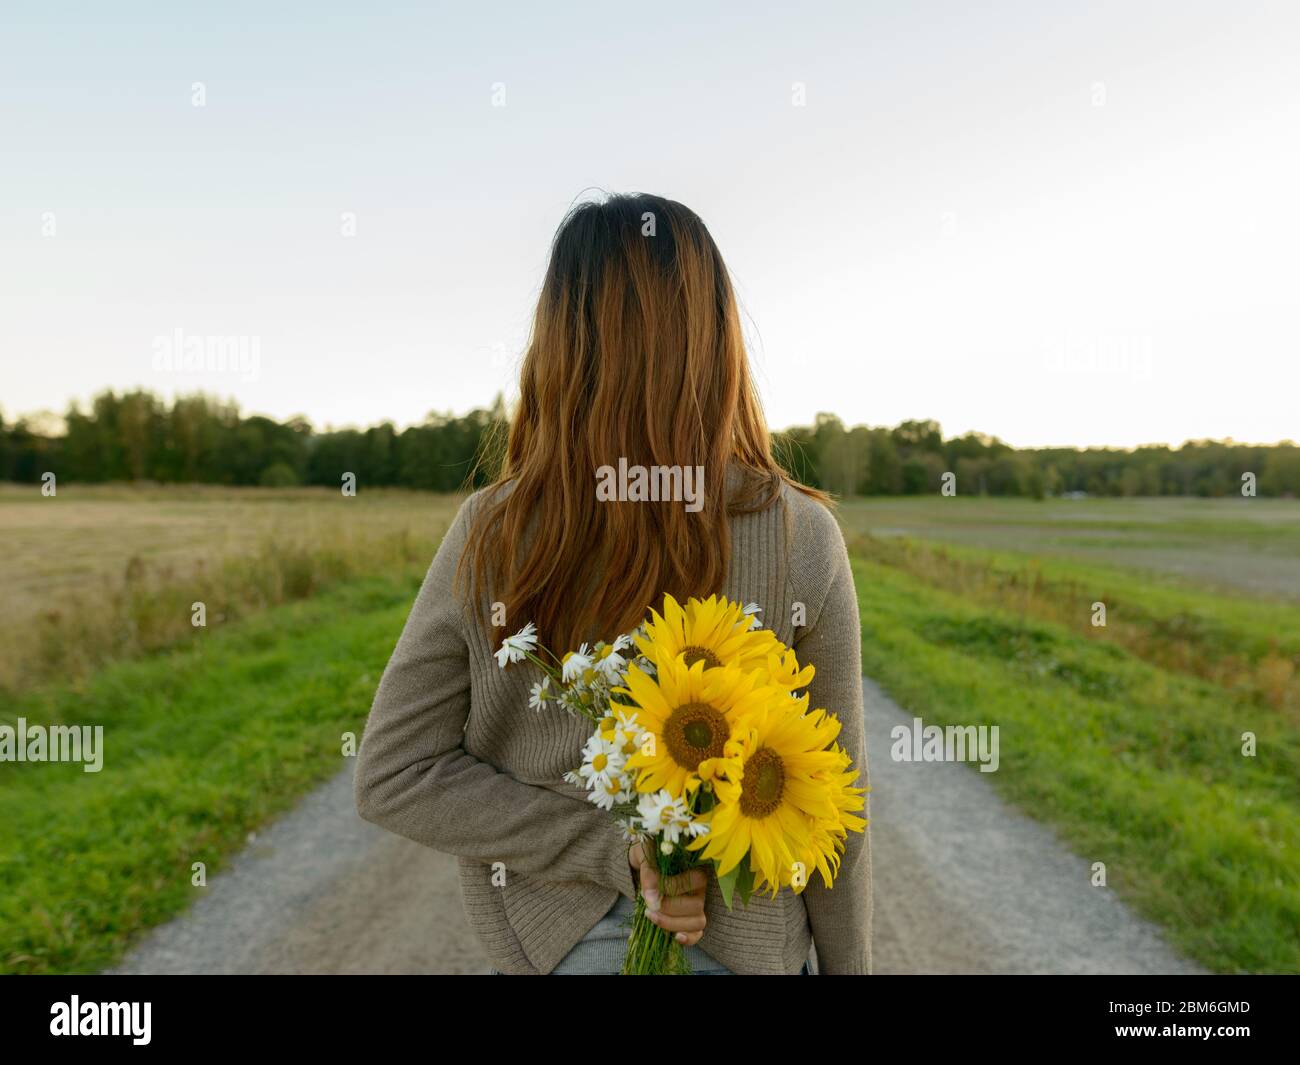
point(651, 951)
point(551, 672)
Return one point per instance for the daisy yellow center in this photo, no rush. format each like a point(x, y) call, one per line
point(700, 654)
point(694, 732)
point(762, 783)
point(599, 762)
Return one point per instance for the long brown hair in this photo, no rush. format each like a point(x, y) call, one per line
point(636, 353)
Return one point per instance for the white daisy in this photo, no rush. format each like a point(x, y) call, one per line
point(576, 663)
point(602, 762)
point(607, 794)
point(515, 648)
point(541, 692)
point(628, 734)
point(663, 815)
point(752, 610)
point(608, 662)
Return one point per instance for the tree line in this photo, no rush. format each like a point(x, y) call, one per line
point(136, 436)
point(912, 458)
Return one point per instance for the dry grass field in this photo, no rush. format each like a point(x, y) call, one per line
point(102, 572)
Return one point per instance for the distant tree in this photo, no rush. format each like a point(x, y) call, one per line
point(884, 467)
point(278, 475)
point(137, 436)
point(6, 453)
point(796, 452)
point(911, 437)
point(842, 457)
point(972, 476)
point(1280, 473)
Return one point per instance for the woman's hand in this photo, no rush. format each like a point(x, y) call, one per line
point(676, 905)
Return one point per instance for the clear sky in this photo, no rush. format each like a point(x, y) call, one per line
point(1059, 223)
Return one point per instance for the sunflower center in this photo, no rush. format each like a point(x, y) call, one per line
point(762, 783)
point(695, 654)
point(694, 732)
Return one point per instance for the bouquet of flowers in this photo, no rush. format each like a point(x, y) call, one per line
point(705, 752)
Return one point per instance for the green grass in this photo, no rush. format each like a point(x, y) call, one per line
point(1248, 646)
point(202, 745)
point(1136, 765)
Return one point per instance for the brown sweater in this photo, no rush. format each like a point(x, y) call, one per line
point(453, 758)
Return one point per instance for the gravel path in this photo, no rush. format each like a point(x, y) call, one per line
point(963, 884)
point(321, 891)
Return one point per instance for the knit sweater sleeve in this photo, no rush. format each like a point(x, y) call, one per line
point(840, 916)
point(414, 777)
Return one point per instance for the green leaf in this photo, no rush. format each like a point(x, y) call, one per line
point(745, 881)
point(739, 879)
point(727, 884)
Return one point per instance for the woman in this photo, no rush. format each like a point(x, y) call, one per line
point(636, 355)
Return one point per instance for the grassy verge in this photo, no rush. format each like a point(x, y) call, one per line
point(1136, 763)
point(202, 745)
point(1246, 645)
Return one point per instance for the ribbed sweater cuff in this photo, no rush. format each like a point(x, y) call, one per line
point(620, 870)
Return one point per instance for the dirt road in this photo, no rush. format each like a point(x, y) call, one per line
point(963, 884)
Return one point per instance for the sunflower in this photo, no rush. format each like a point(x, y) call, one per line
point(830, 833)
point(687, 717)
point(783, 668)
point(781, 807)
point(714, 631)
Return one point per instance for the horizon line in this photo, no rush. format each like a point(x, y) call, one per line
point(328, 427)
